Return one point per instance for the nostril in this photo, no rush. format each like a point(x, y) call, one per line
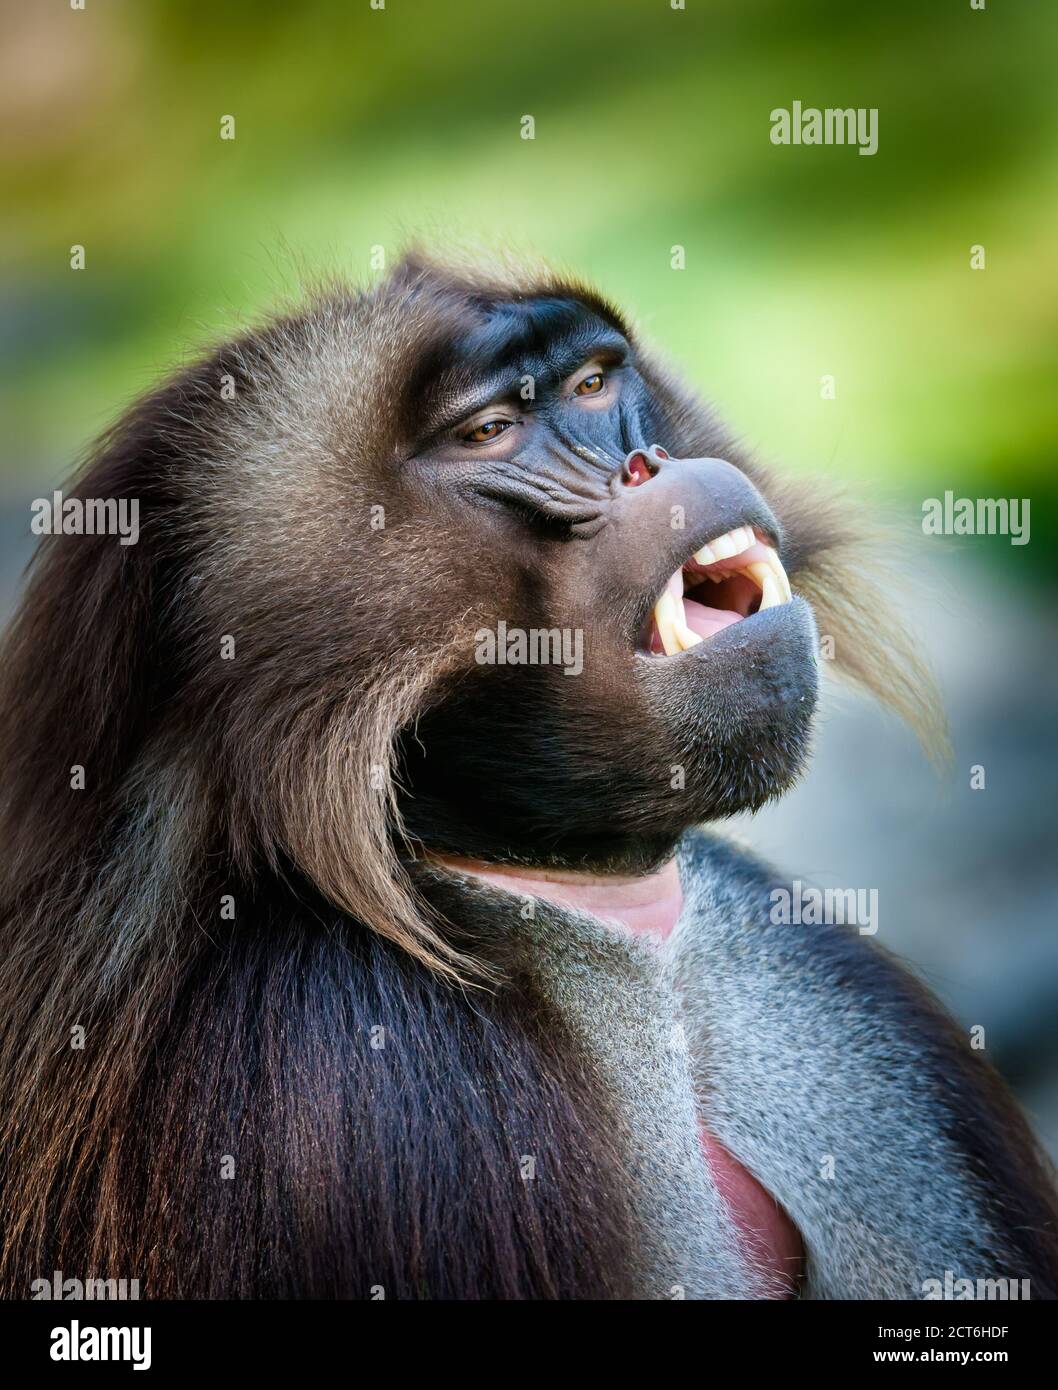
point(637, 469)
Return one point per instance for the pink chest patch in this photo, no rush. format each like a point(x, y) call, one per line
point(769, 1238)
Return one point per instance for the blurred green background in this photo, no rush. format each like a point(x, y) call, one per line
point(357, 127)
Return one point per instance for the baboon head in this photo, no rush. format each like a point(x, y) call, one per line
point(452, 564)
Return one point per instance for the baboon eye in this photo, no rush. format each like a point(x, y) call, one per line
point(591, 385)
point(487, 431)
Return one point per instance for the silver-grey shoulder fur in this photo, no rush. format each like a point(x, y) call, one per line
point(817, 1061)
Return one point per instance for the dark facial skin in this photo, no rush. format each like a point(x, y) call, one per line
point(604, 769)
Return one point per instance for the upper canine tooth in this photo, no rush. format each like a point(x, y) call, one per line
point(771, 594)
point(671, 622)
point(775, 565)
point(665, 616)
point(780, 575)
point(773, 590)
point(675, 585)
point(688, 638)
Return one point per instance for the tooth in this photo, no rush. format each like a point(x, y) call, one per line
point(724, 547)
point(705, 556)
point(780, 575)
point(665, 618)
point(775, 565)
point(771, 595)
point(671, 622)
point(675, 585)
point(688, 639)
point(772, 589)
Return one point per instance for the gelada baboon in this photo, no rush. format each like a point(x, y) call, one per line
point(358, 937)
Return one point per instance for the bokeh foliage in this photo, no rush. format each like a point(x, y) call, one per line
point(357, 127)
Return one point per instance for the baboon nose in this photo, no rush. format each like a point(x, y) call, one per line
point(641, 465)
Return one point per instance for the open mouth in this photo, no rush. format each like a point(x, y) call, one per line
point(731, 578)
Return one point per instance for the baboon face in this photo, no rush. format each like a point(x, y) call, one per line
point(500, 488)
point(638, 662)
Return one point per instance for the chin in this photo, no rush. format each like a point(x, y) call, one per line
point(738, 708)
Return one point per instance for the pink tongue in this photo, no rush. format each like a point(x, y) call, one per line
point(705, 621)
